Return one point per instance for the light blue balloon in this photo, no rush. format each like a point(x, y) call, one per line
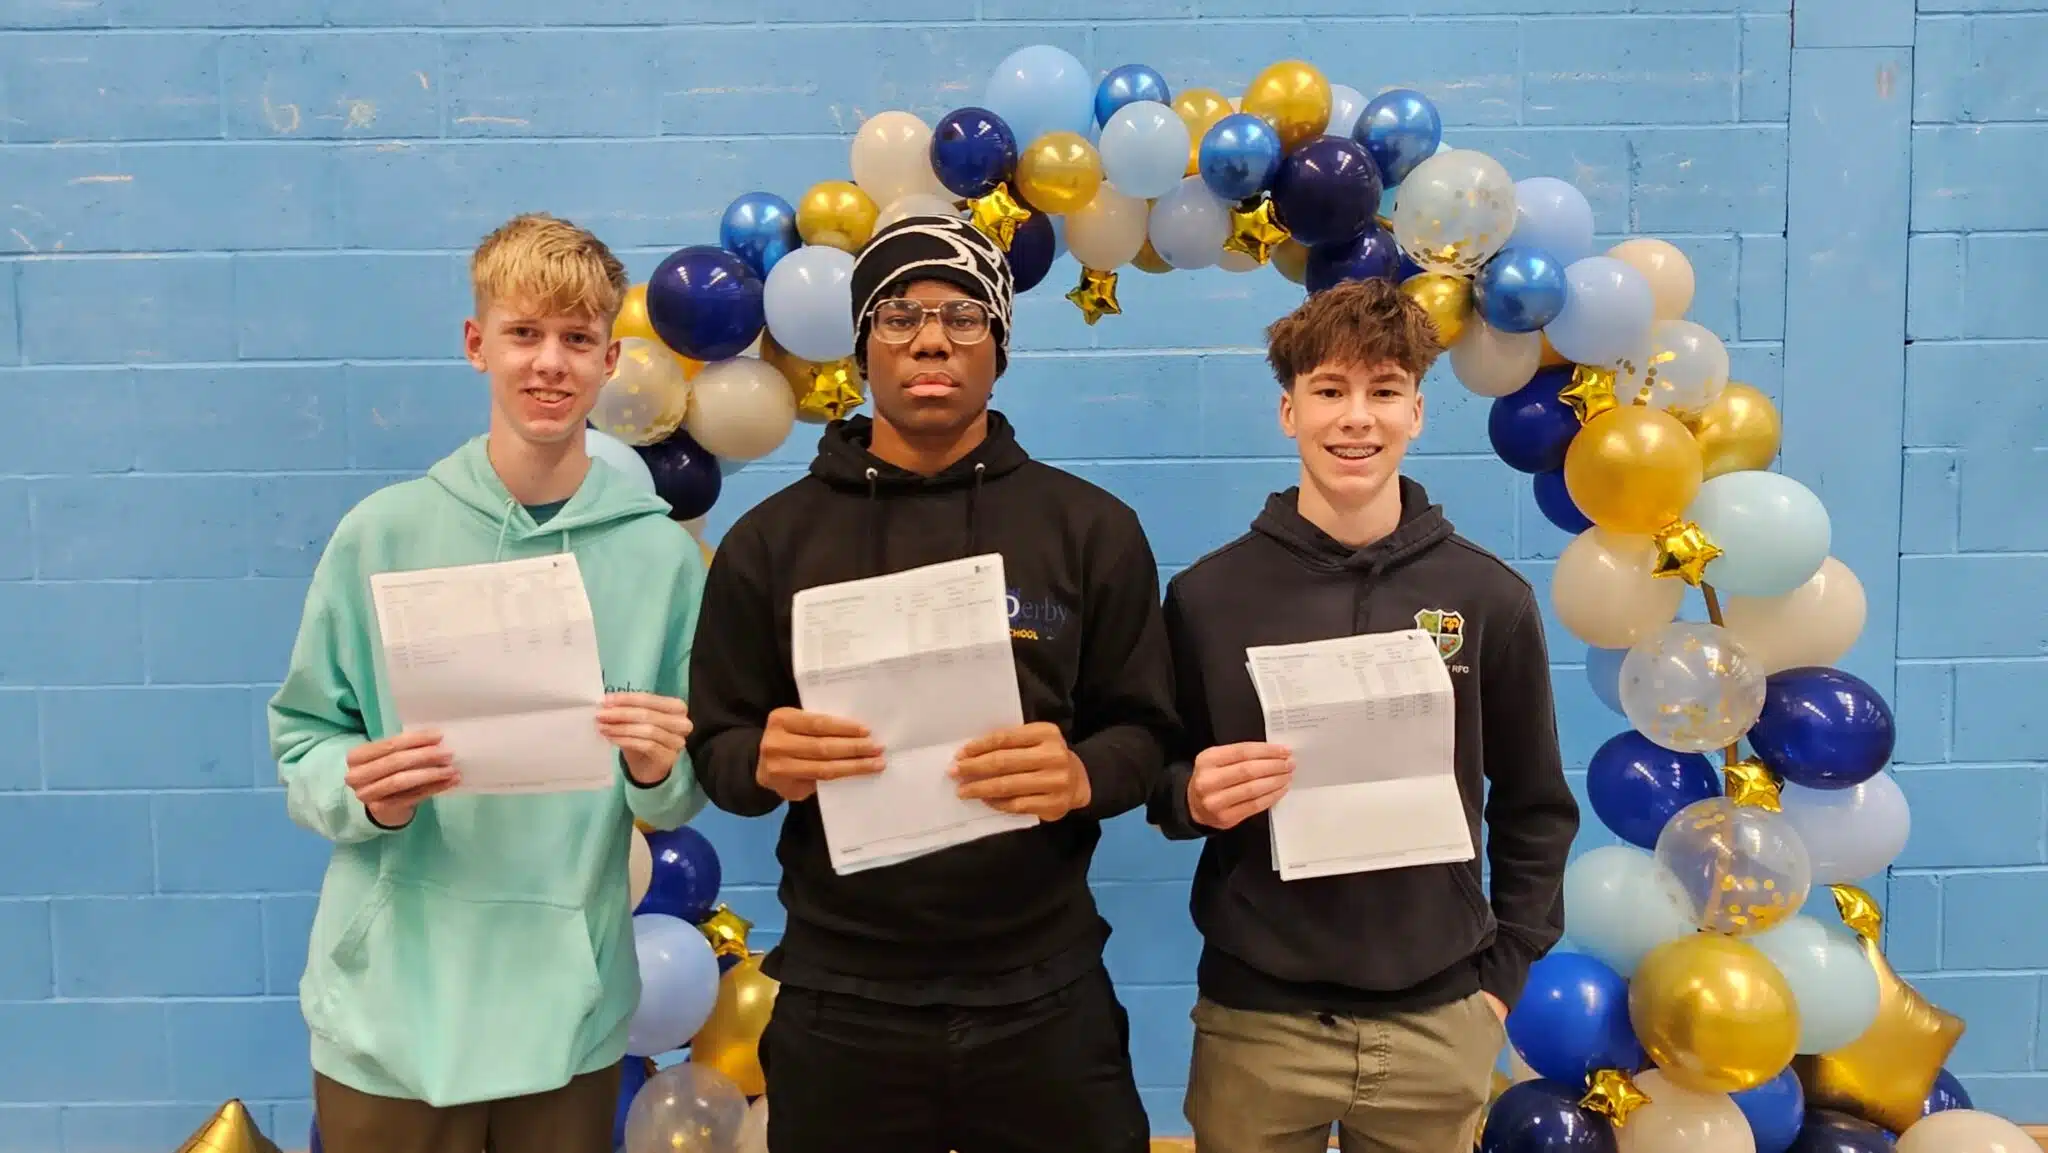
point(1346, 103)
point(1832, 982)
point(1041, 89)
point(1620, 905)
point(620, 455)
point(1773, 532)
point(1850, 834)
point(1608, 310)
point(1552, 215)
point(808, 303)
point(1144, 149)
point(1189, 225)
point(678, 984)
point(1603, 672)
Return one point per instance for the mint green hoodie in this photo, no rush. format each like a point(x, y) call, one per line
point(486, 949)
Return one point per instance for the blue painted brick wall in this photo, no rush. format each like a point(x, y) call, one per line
point(231, 280)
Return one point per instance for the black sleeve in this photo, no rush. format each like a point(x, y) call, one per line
point(1123, 697)
point(1168, 806)
point(737, 676)
point(1531, 816)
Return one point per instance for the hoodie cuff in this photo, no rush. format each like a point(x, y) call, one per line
point(1169, 808)
point(1504, 967)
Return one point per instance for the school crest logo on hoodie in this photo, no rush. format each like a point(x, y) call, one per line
point(1446, 627)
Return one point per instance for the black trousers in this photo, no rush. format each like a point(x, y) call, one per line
point(1051, 1075)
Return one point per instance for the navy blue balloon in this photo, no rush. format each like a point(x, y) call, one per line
point(760, 229)
point(1637, 786)
point(633, 1076)
point(1555, 502)
point(1032, 250)
point(685, 476)
point(1827, 1131)
point(1531, 427)
point(1544, 1116)
point(1408, 268)
point(1399, 129)
point(1125, 84)
point(1239, 156)
point(1327, 191)
point(686, 875)
point(1823, 728)
point(1572, 1019)
point(1520, 290)
point(1775, 1110)
point(1948, 1093)
point(1372, 253)
point(313, 1138)
point(973, 151)
point(705, 303)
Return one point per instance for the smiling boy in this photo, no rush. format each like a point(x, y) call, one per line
point(472, 970)
point(1371, 1001)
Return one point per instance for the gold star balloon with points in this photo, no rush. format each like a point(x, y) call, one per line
point(1254, 232)
point(1750, 782)
point(1613, 1094)
point(1683, 551)
point(1095, 296)
point(727, 932)
point(998, 216)
point(1590, 393)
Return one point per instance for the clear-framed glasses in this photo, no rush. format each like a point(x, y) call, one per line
point(963, 321)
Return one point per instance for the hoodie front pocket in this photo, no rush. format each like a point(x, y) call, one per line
point(459, 998)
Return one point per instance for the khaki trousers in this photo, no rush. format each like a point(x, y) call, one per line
point(577, 1118)
point(1400, 1083)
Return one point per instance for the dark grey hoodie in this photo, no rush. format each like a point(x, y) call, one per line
point(1403, 938)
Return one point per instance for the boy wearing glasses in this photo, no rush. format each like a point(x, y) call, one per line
point(957, 1000)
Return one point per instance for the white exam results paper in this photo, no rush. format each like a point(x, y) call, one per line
point(502, 659)
point(922, 658)
point(1371, 721)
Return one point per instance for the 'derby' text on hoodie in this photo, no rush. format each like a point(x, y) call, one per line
point(1009, 916)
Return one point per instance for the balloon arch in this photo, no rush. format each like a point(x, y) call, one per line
point(1703, 1010)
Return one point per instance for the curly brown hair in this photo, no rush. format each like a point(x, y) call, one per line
point(1358, 322)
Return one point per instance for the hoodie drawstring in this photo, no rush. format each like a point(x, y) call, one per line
point(973, 506)
point(878, 511)
point(505, 526)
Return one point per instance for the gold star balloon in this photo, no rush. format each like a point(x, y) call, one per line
point(231, 1130)
point(727, 932)
point(1750, 783)
point(832, 391)
point(1095, 296)
point(1883, 1076)
point(1254, 232)
point(1683, 551)
point(1590, 393)
point(1613, 1094)
point(998, 215)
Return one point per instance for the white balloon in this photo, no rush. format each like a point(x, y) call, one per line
point(1966, 1131)
point(1109, 231)
point(915, 204)
point(741, 408)
point(1232, 260)
point(1814, 624)
point(639, 869)
point(1347, 104)
point(891, 157)
point(1489, 362)
point(1679, 1120)
point(754, 1129)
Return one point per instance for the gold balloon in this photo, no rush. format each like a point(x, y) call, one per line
point(1714, 1013)
point(231, 1130)
point(1551, 358)
point(836, 214)
point(1149, 260)
point(1059, 172)
point(730, 1040)
point(633, 322)
point(1294, 97)
point(1199, 109)
point(1500, 1085)
point(1740, 429)
point(1290, 256)
point(1445, 298)
point(1883, 1076)
point(1633, 469)
point(725, 929)
point(1095, 295)
point(825, 391)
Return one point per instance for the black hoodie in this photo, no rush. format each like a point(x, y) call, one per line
point(1005, 917)
point(1402, 938)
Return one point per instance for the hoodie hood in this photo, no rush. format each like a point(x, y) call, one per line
point(845, 464)
point(1422, 526)
point(605, 497)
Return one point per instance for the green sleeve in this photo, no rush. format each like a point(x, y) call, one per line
point(677, 797)
point(316, 717)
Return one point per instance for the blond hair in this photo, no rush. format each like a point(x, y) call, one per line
point(540, 261)
point(1361, 323)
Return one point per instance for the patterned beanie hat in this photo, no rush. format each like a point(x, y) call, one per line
point(933, 248)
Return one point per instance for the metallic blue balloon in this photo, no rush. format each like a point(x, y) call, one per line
point(705, 303)
point(686, 875)
point(1555, 502)
point(1126, 84)
point(1544, 1116)
point(1239, 156)
point(1399, 129)
point(973, 151)
point(1520, 290)
point(1636, 785)
point(1031, 252)
point(685, 476)
point(1327, 191)
point(1532, 427)
point(1827, 1131)
point(1572, 1019)
point(1372, 253)
point(1823, 728)
point(1775, 1111)
point(759, 228)
point(1948, 1093)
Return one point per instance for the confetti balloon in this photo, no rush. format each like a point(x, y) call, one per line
point(647, 395)
point(1691, 687)
point(1740, 868)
